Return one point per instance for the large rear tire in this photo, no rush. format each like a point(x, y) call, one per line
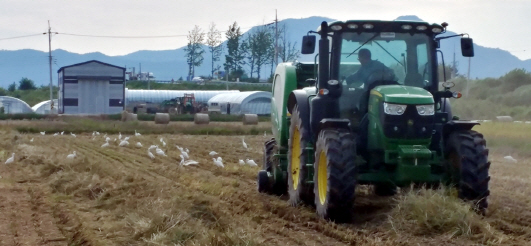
point(299, 191)
point(335, 175)
point(468, 166)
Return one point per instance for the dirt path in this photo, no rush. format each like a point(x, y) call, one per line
point(24, 217)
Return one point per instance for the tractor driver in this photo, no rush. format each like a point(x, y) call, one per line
point(369, 67)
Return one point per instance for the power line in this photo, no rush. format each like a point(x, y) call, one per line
point(103, 36)
point(40, 34)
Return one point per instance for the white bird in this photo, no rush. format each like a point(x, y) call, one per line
point(153, 147)
point(185, 154)
point(160, 152)
point(62, 132)
point(137, 134)
point(163, 143)
point(179, 148)
point(123, 143)
point(510, 159)
point(120, 136)
point(139, 144)
point(106, 144)
point(93, 134)
point(43, 133)
point(218, 163)
point(114, 139)
point(73, 135)
point(187, 151)
point(213, 153)
point(244, 144)
point(105, 136)
point(11, 159)
point(71, 156)
point(107, 139)
point(219, 158)
point(151, 155)
point(190, 162)
point(251, 163)
point(161, 140)
point(55, 134)
point(97, 133)
point(265, 134)
point(31, 141)
point(126, 138)
point(241, 162)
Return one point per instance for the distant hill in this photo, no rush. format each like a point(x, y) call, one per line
point(171, 64)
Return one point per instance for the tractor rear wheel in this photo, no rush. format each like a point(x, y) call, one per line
point(298, 189)
point(468, 166)
point(335, 175)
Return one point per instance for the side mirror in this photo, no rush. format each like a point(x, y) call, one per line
point(467, 47)
point(308, 45)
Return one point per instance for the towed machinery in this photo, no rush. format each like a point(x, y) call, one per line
point(390, 131)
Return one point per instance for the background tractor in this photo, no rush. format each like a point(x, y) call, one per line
point(331, 134)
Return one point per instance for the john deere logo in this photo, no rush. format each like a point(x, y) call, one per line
point(410, 122)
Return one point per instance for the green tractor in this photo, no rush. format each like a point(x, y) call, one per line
point(394, 129)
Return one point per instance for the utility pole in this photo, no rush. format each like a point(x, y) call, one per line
point(468, 77)
point(276, 38)
point(50, 62)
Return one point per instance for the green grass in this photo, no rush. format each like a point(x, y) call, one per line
point(507, 138)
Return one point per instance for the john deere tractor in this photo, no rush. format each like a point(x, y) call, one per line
point(394, 129)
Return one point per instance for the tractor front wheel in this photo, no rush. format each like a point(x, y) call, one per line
point(270, 165)
point(468, 166)
point(335, 175)
point(299, 190)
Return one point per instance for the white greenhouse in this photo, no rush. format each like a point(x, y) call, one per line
point(43, 107)
point(13, 105)
point(248, 102)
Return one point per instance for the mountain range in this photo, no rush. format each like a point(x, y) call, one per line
point(171, 64)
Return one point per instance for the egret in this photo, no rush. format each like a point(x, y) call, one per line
point(153, 147)
point(163, 143)
point(186, 156)
point(73, 135)
point(71, 156)
point(31, 141)
point(213, 153)
point(182, 160)
point(151, 155)
point(97, 133)
point(218, 163)
point(219, 158)
point(43, 133)
point(251, 163)
point(244, 144)
point(187, 151)
point(126, 138)
point(139, 144)
point(265, 134)
point(105, 136)
point(11, 159)
point(161, 140)
point(55, 134)
point(120, 136)
point(106, 144)
point(510, 159)
point(107, 139)
point(160, 152)
point(137, 134)
point(93, 134)
point(123, 143)
point(62, 132)
point(190, 162)
point(241, 162)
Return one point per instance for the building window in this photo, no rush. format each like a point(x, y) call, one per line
point(115, 103)
point(213, 104)
point(70, 102)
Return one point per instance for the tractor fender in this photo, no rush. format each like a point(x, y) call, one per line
point(446, 107)
point(300, 98)
point(458, 125)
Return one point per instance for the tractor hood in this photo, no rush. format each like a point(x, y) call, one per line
point(402, 94)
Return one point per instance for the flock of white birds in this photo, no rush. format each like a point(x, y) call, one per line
point(124, 142)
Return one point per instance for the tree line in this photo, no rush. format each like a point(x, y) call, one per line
point(247, 55)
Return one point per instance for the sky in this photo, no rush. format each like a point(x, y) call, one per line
point(491, 23)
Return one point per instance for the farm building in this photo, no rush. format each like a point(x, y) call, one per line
point(13, 105)
point(248, 102)
point(135, 97)
point(91, 87)
point(43, 107)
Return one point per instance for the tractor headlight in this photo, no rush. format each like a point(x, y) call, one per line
point(426, 109)
point(394, 109)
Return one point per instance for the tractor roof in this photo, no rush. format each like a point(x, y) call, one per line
point(385, 26)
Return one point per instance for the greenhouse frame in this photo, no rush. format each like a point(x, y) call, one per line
point(248, 102)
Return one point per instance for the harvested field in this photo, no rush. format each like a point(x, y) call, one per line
point(120, 196)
